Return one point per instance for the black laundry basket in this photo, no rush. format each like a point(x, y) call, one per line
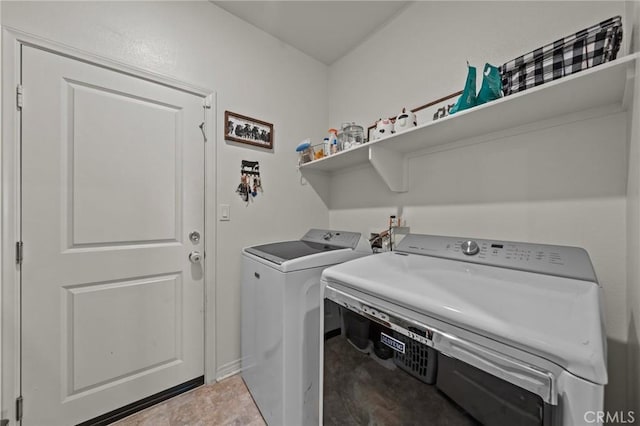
point(585, 49)
point(418, 359)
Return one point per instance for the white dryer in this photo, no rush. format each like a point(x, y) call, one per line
point(505, 319)
point(281, 320)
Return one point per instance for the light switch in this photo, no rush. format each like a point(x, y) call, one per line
point(224, 212)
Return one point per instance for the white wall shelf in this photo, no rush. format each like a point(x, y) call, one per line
point(605, 85)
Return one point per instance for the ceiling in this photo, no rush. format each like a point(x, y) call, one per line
point(324, 30)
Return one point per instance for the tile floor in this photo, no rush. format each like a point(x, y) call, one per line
point(358, 391)
point(225, 403)
point(361, 389)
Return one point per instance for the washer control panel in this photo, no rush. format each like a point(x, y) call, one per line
point(563, 261)
point(335, 238)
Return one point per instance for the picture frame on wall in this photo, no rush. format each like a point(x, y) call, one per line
point(251, 131)
point(437, 109)
point(426, 113)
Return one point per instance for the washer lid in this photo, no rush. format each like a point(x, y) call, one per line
point(553, 317)
point(288, 250)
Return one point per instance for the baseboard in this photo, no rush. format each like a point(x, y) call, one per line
point(228, 369)
point(127, 410)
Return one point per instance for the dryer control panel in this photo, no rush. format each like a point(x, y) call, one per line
point(562, 261)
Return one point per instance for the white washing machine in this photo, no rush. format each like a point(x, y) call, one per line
point(281, 321)
point(517, 328)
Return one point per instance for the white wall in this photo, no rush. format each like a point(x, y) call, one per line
point(421, 55)
point(252, 73)
point(530, 187)
point(558, 184)
point(633, 225)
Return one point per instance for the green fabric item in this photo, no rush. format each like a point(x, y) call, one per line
point(491, 88)
point(468, 98)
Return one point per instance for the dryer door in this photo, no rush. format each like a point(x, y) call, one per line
point(491, 387)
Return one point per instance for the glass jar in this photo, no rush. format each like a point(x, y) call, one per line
point(351, 135)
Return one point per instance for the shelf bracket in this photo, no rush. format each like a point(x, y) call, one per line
point(391, 166)
point(319, 181)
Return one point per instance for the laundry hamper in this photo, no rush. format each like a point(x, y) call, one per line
point(419, 360)
point(585, 49)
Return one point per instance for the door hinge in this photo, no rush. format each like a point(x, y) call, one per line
point(19, 252)
point(19, 408)
point(19, 91)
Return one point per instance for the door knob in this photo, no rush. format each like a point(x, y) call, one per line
point(195, 257)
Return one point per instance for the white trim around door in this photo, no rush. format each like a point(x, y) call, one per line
point(12, 40)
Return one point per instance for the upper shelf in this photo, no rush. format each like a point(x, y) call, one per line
point(597, 87)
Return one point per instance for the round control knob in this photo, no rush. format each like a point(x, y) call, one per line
point(470, 248)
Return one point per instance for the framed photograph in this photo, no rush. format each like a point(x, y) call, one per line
point(243, 129)
point(426, 113)
point(436, 109)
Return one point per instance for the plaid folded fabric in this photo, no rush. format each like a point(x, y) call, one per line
point(585, 49)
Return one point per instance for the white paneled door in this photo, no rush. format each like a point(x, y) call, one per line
point(112, 186)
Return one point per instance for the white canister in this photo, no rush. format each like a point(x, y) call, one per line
point(384, 128)
point(405, 121)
